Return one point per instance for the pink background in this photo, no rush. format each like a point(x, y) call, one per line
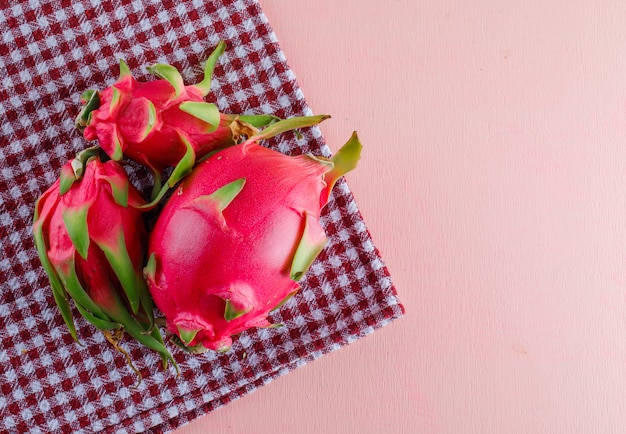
point(494, 183)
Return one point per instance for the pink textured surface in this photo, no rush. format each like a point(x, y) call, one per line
point(493, 181)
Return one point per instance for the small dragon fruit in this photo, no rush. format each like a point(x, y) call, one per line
point(91, 240)
point(163, 123)
point(236, 236)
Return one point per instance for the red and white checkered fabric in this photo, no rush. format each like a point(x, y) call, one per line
point(50, 52)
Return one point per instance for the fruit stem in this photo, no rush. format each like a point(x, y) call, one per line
point(286, 125)
point(114, 339)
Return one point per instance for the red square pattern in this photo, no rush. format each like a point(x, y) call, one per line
point(50, 52)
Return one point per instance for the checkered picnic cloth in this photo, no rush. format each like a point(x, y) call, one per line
point(50, 52)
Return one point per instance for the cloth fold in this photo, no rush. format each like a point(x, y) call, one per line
point(50, 52)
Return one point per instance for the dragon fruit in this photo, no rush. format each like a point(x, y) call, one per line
point(236, 236)
point(91, 241)
point(164, 123)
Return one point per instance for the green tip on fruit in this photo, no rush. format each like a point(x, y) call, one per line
point(344, 160)
point(226, 194)
point(66, 180)
point(347, 158)
point(149, 271)
point(169, 73)
point(124, 70)
point(185, 164)
point(60, 296)
point(117, 255)
point(119, 189)
point(151, 119)
point(186, 335)
point(206, 112)
point(312, 242)
point(205, 85)
point(217, 201)
point(91, 101)
point(231, 313)
point(75, 220)
point(118, 152)
point(116, 97)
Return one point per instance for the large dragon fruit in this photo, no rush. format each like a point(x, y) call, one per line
point(164, 123)
point(91, 240)
point(236, 236)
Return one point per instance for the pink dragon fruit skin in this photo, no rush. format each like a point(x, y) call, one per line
point(146, 122)
point(164, 123)
point(157, 123)
point(236, 236)
point(91, 237)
